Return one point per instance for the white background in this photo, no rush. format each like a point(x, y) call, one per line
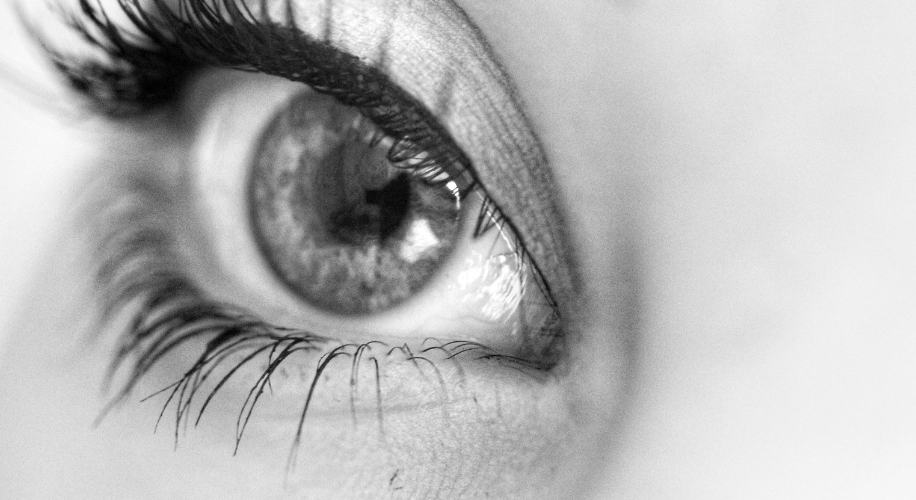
point(38, 151)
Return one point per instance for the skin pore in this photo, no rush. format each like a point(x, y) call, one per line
point(737, 178)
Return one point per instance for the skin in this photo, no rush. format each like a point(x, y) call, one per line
point(737, 178)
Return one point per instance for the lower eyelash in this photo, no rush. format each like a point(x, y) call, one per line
point(142, 284)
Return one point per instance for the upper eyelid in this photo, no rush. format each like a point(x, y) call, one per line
point(433, 50)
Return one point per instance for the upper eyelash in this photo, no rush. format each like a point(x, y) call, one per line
point(143, 73)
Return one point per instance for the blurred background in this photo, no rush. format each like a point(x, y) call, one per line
point(40, 155)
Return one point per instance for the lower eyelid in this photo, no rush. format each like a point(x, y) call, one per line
point(406, 381)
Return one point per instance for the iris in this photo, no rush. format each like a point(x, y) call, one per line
point(345, 227)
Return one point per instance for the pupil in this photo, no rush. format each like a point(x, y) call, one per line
point(376, 217)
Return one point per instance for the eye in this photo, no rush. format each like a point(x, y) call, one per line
point(325, 197)
point(316, 222)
